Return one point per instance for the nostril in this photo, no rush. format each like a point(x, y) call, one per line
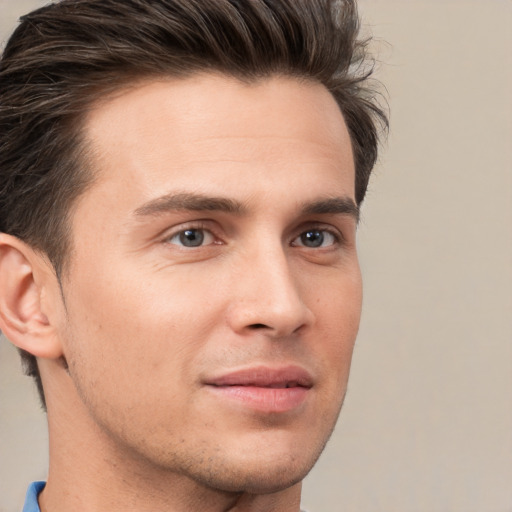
point(258, 326)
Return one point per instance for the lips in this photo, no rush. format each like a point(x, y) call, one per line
point(264, 377)
point(264, 389)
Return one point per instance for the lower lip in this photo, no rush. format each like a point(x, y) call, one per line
point(270, 400)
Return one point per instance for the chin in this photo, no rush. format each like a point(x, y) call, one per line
point(265, 480)
point(266, 473)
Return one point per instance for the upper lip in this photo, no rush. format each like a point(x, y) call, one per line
point(264, 376)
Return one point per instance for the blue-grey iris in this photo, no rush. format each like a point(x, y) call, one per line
point(314, 238)
point(192, 237)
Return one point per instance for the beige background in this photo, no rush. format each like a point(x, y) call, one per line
point(427, 424)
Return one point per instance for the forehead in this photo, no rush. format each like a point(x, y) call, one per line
point(206, 96)
point(173, 133)
point(211, 106)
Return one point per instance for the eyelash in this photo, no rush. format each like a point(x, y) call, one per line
point(198, 226)
point(338, 238)
point(336, 234)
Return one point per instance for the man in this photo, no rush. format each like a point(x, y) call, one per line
point(180, 188)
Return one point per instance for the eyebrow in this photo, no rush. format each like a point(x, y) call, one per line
point(191, 202)
point(333, 205)
point(197, 202)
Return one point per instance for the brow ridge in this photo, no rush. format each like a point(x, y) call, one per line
point(332, 205)
point(199, 202)
point(189, 201)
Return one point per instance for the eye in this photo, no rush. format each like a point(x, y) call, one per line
point(315, 238)
point(192, 237)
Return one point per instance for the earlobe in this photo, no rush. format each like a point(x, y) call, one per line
point(23, 280)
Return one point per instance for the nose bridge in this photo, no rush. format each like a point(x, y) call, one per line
point(268, 294)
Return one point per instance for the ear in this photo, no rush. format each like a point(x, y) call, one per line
point(25, 279)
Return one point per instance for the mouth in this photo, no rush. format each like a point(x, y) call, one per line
point(264, 389)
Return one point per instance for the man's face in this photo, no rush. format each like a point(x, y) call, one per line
point(213, 295)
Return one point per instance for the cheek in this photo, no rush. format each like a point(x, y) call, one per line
point(142, 330)
point(339, 313)
point(339, 301)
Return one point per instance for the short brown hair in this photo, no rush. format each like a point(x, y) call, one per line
point(64, 56)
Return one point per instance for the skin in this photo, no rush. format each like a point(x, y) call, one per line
point(143, 322)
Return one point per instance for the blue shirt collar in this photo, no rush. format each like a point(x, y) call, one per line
point(31, 504)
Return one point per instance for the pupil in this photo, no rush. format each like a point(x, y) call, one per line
point(191, 237)
point(313, 238)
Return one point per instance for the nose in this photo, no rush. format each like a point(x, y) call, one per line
point(267, 297)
